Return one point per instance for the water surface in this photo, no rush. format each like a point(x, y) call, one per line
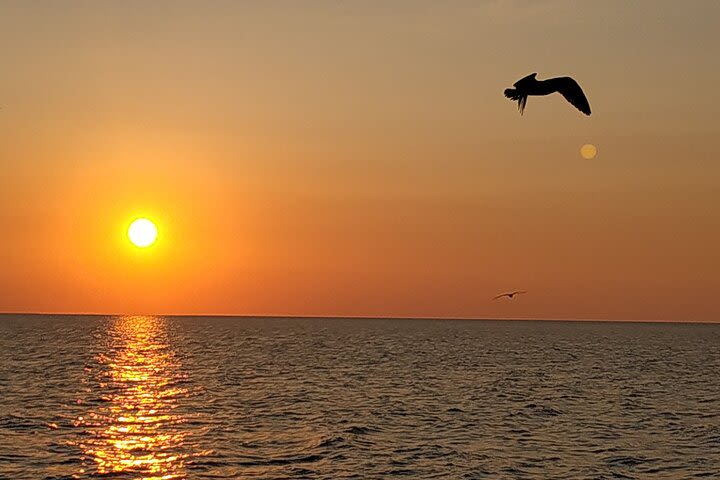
point(202, 397)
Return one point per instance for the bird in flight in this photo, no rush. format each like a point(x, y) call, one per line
point(565, 86)
point(510, 294)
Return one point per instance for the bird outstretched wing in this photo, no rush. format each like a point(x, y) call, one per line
point(572, 92)
point(509, 294)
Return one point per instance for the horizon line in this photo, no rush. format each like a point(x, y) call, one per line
point(355, 317)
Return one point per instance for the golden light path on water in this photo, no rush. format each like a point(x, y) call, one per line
point(136, 432)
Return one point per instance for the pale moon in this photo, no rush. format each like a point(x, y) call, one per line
point(588, 151)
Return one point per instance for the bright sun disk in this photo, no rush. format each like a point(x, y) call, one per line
point(142, 232)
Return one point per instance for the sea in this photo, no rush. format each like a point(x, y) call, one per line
point(148, 397)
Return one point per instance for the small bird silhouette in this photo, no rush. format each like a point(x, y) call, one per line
point(565, 86)
point(510, 294)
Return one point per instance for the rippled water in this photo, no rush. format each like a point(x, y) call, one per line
point(163, 398)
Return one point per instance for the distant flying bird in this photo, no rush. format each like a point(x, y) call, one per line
point(510, 294)
point(565, 86)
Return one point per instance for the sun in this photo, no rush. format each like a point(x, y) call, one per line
point(142, 232)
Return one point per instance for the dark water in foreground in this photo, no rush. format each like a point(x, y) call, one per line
point(163, 398)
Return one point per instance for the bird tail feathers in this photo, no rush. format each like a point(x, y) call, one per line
point(513, 94)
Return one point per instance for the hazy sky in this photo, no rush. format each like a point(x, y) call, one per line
point(359, 158)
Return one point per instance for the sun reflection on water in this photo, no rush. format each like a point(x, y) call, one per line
point(136, 431)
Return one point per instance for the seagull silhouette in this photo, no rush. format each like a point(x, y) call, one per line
point(510, 294)
point(565, 86)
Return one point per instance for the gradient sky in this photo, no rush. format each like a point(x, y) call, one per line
point(359, 158)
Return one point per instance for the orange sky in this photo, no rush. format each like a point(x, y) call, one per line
point(358, 158)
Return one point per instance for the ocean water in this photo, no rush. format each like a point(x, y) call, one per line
point(194, 397)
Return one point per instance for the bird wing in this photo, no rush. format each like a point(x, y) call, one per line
point(500, 296)
point(519, 291)
point(526, 79)
point(569, 88)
